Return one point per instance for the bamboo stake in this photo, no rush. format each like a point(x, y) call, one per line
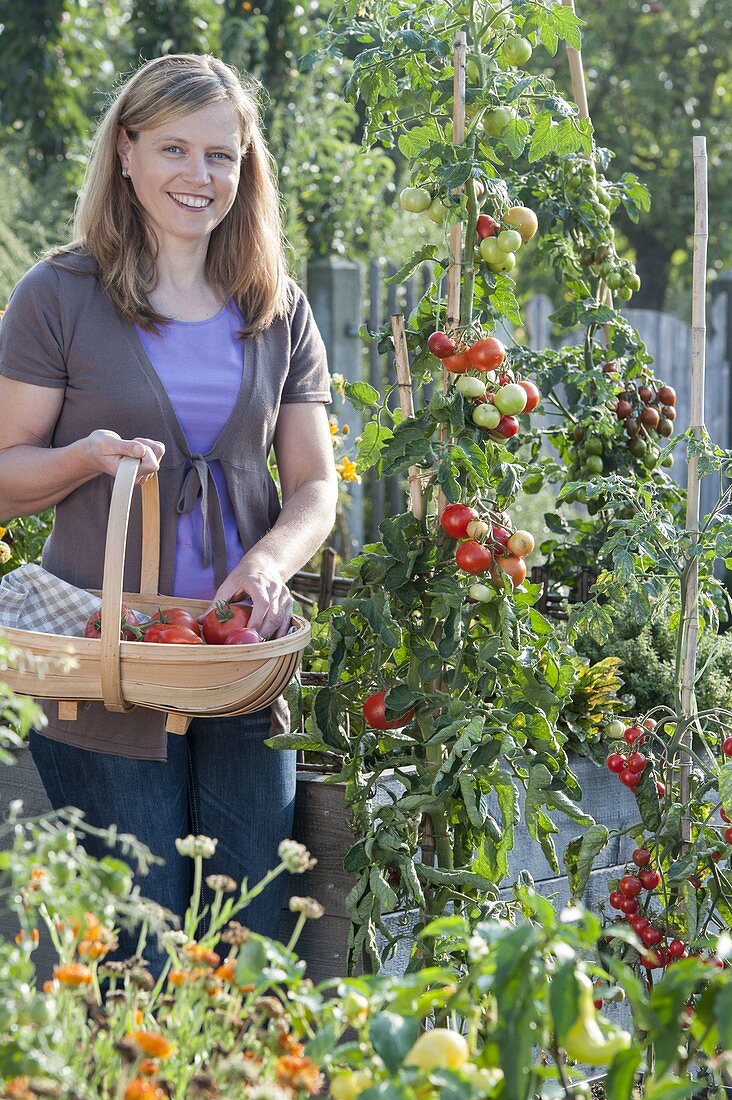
point(690, 603)
point(406, 402)
point(456, 231)
point(577, 72)
point(579, 91)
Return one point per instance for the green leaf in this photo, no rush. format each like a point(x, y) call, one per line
point(504, 300)
point(295, 740)
point(392, 1037)
point(647, 798)
point(725, 787)
point(371, 443)
point(587, 848)
point(543, 139)
point(723, 1016)
point(362, 395)
point(426, 252)
point(620, 1080)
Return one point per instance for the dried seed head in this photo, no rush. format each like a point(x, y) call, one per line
point(235, 933)
point(296, 857)
point(224, 883)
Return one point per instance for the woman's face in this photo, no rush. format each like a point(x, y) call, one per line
point(186, 172)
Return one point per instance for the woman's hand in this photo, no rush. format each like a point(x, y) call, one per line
point(258, 578)
point(106, 449)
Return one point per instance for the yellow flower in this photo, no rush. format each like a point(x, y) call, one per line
point(2, 531)
point(346, 470)
point(5, 552)
point(333, 425)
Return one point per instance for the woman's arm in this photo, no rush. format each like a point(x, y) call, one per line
point(304, 453)
point(33, 475)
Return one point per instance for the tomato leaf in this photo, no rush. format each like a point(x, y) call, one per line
point(392, 1036)
point(620, 1079)
point(580, 855)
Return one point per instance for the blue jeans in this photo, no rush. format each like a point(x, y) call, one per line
point(219, 780)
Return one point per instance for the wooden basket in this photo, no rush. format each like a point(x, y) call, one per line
point(184, 681)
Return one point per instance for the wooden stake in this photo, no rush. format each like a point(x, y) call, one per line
point(690, 622)
point(577, 72)
point(406, 402)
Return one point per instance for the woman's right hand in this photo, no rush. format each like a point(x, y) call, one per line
point(106, 450)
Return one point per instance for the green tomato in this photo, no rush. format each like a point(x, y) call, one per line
point(349, 1085)
point(516, 50)
point(594, 465)
point(638, 447)
point(436, 211)
point(633, 282)
point(511, 399)
point(508, 262)
point(496, 122)
point(491, 251)
point(470, 386)
point(624, 293)
point(594, 446)
point(481, 592)
point(614, 280)
point(509, 240)
point(487, 416)
point(615, 729)
point(415, 199)
point(472, 71)
point(650, 458)
point(667, 461)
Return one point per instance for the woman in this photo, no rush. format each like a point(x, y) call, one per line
point(168, 330)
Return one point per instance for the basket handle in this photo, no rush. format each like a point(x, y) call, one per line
point(114, 566)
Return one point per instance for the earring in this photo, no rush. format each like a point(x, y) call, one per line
point(126, 173)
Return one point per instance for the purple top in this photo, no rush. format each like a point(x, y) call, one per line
point(200, 364)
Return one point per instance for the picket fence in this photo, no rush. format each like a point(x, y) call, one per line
point(345, 296)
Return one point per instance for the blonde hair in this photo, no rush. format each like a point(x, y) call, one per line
point(245, 259)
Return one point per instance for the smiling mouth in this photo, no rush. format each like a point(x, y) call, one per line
point(190, 202)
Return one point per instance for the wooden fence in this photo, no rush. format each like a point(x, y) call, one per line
point(341, 307)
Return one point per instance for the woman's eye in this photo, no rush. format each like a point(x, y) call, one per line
point(172, 149)
point(224, 155)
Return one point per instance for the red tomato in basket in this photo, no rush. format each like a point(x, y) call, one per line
point(171, 634)
point(130, 619)
point(178, 617)
point(221, 620)
point(245, 636)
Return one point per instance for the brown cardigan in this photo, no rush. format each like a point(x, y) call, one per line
point(60, 329)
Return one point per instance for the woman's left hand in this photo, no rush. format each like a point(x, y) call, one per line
point(257, 578)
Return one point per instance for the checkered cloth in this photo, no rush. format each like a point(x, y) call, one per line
point(31, 598)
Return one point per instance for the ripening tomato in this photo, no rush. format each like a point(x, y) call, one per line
point(641, 857)
point(507, 427)
point(473, 557)
point(630, 885)
point(615, 762)
point(513, 567)
point(629, 906)
point(171, 634)
point(667, 395)
point(440, 344)
point(458, 363)
point(486, 354)
point(178, 616)
point(374, 711)
point(623, 409)
point(630, 779)
point(219, 622)
point(455, 519)
point(533, 395)
point(487, 226)
point(521, 543)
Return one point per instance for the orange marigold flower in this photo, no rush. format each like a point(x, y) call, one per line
point(38, 873)
point(246, 988)
point(148, 1066)
point(176, 977)
point(50, 987)
point(286, 1041)
point(226, 970)
point(296, 1072)
point(214, 986)
point(138, 1016)
point(73, 974)
point(152, 1043)
point(199, 953)
point(93, 949)
point(18, 1088)
point(137, 1089)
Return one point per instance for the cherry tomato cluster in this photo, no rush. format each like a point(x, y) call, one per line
point(498, 397)
point(488, 545)
point(629, 769)
point(647, 415)
point(625, 895)
point(498, 242)
point(225, 624)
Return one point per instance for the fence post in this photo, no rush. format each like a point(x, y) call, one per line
point(335, 294)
